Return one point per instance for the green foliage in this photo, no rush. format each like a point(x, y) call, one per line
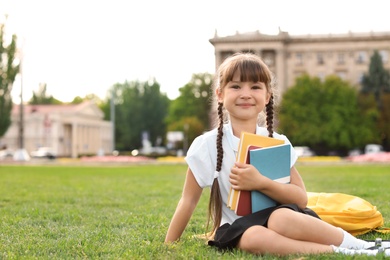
point(194, 101)
point(298, 114)
point(41, 98)
point(384, 121)
point(324, 116)
point(377, 83)
point(8, 72)
point(77, 100)
point(92, 97)
point(139, 107)
point(369, 111)
point(105, 106)
point(88, 212)
point(377, 80)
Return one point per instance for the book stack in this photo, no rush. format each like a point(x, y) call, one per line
point(271, 157)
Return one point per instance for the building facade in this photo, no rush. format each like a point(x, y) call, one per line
point(69, 130)
point(289, 56)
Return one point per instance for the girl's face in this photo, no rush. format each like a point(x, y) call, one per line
point(243, 100)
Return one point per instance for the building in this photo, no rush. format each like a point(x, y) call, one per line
point(289, 56)
point(70, 130)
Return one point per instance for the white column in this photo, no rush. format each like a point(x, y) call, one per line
point(74, 137)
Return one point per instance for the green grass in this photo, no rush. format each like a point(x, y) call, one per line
point(66, 212)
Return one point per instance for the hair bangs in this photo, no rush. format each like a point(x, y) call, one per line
point(253, 71)
point(250, 68)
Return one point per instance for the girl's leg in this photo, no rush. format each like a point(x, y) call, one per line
point(261, 240)
point(299, 226)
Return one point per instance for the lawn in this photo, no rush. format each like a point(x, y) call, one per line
point(62, 212)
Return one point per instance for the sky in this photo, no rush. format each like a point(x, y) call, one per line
point(81, 47)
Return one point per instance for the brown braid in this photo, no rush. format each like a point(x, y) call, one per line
point(215, 203)
point(270, 116)
point(219, 137)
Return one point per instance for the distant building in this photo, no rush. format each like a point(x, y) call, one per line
point(289, 56)
point(70, 130)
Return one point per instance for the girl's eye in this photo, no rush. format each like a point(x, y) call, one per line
point(256, 87)
point(235, 86)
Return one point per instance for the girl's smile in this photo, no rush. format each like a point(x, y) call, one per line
point(245, 105)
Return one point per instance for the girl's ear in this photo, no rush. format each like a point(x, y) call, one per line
point(219, 94)
point(269, 94)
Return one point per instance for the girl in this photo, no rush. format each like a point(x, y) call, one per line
point(244, 89)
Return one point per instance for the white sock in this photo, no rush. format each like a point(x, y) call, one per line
point(352, 242)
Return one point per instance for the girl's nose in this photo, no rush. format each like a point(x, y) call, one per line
point(245, 93)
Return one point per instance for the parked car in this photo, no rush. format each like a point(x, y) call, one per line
point(373, 148)
point(154, 151)
point(354, 152)
point(44, 152)
point(6, 153)
point(303, 151)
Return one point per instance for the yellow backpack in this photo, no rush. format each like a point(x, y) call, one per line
point(353, 214)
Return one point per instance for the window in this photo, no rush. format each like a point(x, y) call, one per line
point(385, 56)
point(269, 58)
point(340, 58)
point(361, 57)
point(299, 58)
point(225, 54)
point(269, 61)
point(320, 59)
point(248, 51)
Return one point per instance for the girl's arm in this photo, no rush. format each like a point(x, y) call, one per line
point(187, 204)
point(247, 177)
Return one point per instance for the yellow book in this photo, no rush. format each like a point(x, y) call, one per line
point(247, 140)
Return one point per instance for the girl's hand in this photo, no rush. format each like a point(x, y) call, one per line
point(246, 177)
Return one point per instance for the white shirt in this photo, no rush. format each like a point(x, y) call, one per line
point(202, 159)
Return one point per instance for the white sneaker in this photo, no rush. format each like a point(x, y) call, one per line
point(384, 244)
point(346, 251)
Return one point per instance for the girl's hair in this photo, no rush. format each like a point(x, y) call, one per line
point(251, 68)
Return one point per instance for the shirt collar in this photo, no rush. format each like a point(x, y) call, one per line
point(233, 140)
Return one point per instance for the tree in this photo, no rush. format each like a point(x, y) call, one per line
point(383, 122)
point(194, 101)
point(377, 81)
point(324, 116)
point(139, 108)
point(41, 98)
point(377, 84)
point(92, 97)
point(299, 119)
point(8, 72)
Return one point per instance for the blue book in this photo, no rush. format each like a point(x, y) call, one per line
point(274, 163)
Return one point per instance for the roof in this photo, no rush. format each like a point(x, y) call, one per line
point(85, 108)
point(282, 36)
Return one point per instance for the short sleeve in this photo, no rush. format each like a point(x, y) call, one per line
point(201, 158)
point(294, 156)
